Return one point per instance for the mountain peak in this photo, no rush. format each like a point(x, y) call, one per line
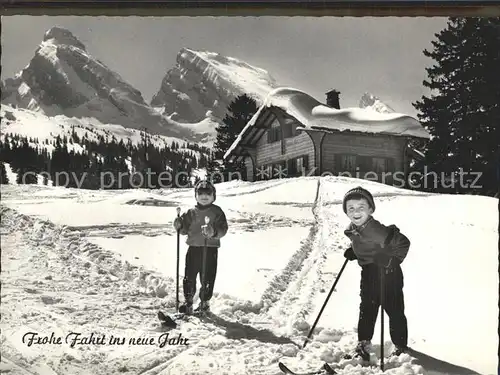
point(59, 35)
point(62, 78)
point(371, 101)
point(209, 81)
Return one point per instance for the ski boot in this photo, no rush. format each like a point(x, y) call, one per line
point(398, 350)
point(186, 308)
point(202, 308)
point(362, 351)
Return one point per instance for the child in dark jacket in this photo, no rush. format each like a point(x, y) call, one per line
point(377, 248)
point(192, 223)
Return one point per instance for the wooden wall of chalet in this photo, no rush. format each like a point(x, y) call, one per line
point(296, 146)
point(250, 169)
point(362, 145)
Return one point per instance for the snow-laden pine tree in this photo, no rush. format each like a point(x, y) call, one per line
point(239, 112)
point(463, 111)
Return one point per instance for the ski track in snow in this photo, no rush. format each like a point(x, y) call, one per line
point(244, 221)
point(301, 277)
point(89, 287)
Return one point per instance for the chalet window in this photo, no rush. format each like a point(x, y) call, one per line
point(288, 130)
point(277, 131)
point(274, 132)
point(300, 164)
point(303, 163)
point(361, 164)
point(273, 135)
point(364, 163)
point(291, 167)
point(296, 166)
point(282, 169)
point(380, 165)
point(347, 163)
point(269, 171)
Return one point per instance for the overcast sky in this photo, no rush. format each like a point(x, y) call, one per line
point(353, 55)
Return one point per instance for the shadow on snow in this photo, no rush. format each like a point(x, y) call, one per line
point(434, 366)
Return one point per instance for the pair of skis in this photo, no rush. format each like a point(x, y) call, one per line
point(170, 321)
point(326, 369)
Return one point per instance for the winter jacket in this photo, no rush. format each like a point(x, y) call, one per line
point(194, 219)
point(373, 237)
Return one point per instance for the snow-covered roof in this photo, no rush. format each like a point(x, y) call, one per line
point(314, 115)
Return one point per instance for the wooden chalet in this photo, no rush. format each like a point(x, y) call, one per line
point(292, 134)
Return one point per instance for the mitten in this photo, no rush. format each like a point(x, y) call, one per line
point(178, 223)
point(208, 231)
point(349, 254)
point(383, 260)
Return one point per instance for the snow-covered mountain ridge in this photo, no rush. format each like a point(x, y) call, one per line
point(64, 79)
point(207, 81)
point(370, 101)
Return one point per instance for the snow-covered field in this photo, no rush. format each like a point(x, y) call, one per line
point(102, 263)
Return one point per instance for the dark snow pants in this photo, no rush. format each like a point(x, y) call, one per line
point(393, 303)
point(194, 267)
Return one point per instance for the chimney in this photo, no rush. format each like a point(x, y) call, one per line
point(332, 99)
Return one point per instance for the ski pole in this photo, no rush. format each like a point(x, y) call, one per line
point(382, 295)
point(204, 262)
point(387, 241)
point(324, 304)
point(178, 256)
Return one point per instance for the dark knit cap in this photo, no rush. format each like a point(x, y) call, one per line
point(356, 193)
